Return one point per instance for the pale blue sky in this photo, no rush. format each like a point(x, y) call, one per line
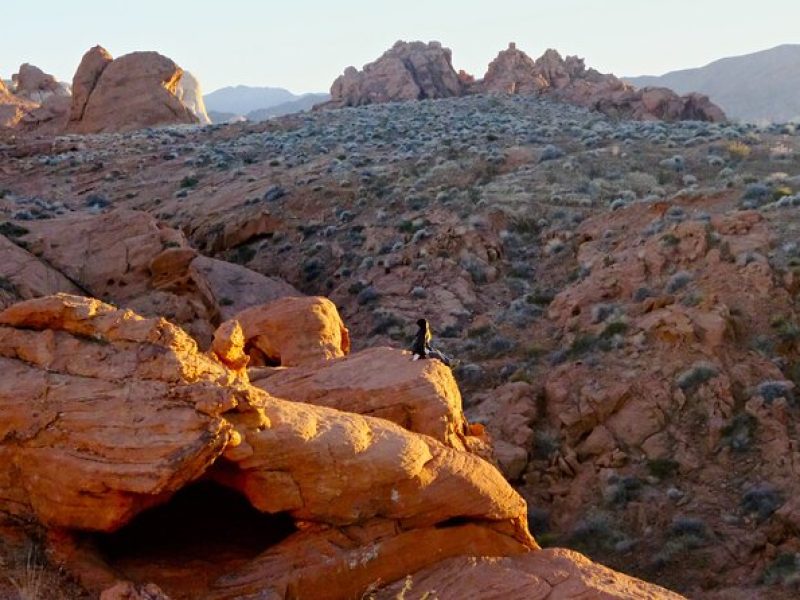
point(304, 44)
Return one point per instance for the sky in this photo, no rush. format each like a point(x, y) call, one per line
point(303, 45)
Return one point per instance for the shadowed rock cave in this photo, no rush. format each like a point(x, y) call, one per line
point(203, 532)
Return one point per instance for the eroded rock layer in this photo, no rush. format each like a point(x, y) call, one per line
point(107, 414)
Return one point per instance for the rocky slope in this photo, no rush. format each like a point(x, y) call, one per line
point(758, 87)
point(415, 71)
point(622, 296)
point(111, 417)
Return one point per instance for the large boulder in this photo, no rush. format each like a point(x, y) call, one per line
point(92, 65)
point(293, 331)
point(421, 396)
point(190, 93)
point(407, 71)
point(134, 91)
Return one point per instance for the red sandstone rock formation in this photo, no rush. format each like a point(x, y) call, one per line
point(131, 259)
point(94, 61)
point(134, 91)
point(407, 71)
point(567, 79)
point(107, 414)
point(294, 331)
point(36, 85)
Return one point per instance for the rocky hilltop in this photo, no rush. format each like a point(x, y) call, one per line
point(407, 71)
point(416, 71)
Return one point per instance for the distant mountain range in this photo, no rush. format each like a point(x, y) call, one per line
point(759, 87)
point(243, 102)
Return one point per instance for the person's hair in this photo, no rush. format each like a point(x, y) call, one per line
point(422, 323)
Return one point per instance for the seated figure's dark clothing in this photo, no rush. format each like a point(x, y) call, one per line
point(420, 346)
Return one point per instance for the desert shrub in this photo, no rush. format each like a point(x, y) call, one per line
point(368, 295)
point(545, 444)
point(243, 255)
point(780, 192)
point(582, 344)
point(593, 534)
point(12, 230)
point(614, 328)
point(387, 323)
point(670, 240)
point(784, 570)
point(685, 534)
point(755, 194)
point(620, 491)
point(761, 501)
point(786, 329)
point(7, 285)
point(189, 181)
point(678, 281)
point(524, 224)
point(551, 152)
point(692, 378)
point(312, 269)
point(663, 468)
point(738, 150)
point(738, 434)
point(540, 297)
point(688, 526)
point(601, 312)
point(771, 390)
point(31, 581)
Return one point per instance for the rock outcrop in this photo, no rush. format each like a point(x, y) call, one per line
point(129, 258)
point(92, 65)
point(522, 578)
point(36, 101)
point(191, 94)
point(407, 71)
point(34, 84)
point(107, 414)
point(294, 331)
point(134, 91)
point(381, 382)
point(416, 71)
point(568, 79)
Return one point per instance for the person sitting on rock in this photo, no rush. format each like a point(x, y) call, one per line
point(421, 348)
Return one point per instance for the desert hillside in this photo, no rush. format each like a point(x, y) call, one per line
point(206, 387)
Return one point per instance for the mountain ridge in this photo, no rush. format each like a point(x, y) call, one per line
point(759, 86)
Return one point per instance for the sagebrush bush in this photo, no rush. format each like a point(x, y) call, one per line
point(692, 378)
